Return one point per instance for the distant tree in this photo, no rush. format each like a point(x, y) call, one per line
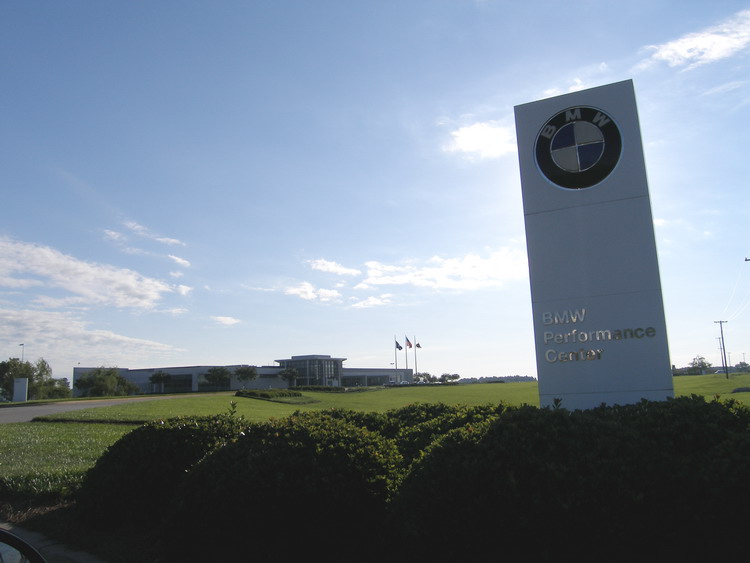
point(448, 377)
point(104, 382)
point(422, 377)
point(742, 367)
point(425, 377)
point(39, 374)
point(218, 376)
point(245, 374)
point(10, 370)
point(160, 378)
point(57, 389)
point(289, 375)
point(699, 365)
point(52, 389)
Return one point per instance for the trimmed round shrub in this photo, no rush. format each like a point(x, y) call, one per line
point(286, 488)
point(648, 478)
point(135, 479)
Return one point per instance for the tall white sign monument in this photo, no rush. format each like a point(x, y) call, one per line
point(595, 290)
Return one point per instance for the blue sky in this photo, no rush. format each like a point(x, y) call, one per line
point(238, 182)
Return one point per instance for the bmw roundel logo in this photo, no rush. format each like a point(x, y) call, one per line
point(578, 147)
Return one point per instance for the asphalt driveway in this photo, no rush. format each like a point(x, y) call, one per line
point(27, 412)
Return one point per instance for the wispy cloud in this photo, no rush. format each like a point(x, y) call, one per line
point(64, 339)
point(467, 273)
point(372, 301)
point(489, 139)
point(308, 292)
point(144, 232)
point(333, 267)
point(226, 321)
point(703, 47)
point(179, 261)
point(30, 265)
point(470, 272)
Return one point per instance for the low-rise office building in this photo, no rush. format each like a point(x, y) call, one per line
point(310, 370)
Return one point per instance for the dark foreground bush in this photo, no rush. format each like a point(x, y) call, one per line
point(136, 477)
point(413, 438)
point(287, 489)
point(666, 478)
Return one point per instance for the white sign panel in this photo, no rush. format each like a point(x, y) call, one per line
point(596, 295)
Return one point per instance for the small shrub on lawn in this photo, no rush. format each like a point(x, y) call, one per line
point(284, 488)
point(136, 477)
point(267, 393)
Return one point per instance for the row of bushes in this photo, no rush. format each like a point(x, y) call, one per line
point(267, 393)
point(431, 481)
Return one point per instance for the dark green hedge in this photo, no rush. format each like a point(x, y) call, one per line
point(135, 479)
point(284, 490)
point(266, 393)
point(438, 482)
point(662, 478)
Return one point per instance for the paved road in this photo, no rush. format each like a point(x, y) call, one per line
point(26, 413)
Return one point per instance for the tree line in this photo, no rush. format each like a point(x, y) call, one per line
point(700, 366)
point(41, 383)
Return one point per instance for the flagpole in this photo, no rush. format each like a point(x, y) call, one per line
point(415, 356)
point(395, 351)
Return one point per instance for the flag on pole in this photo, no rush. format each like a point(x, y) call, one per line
point(398, 346)
point(408, 343)
point(417, 345)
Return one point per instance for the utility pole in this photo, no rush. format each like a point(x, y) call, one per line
point(723, 348)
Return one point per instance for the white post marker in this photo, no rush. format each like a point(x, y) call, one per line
point(596, 295)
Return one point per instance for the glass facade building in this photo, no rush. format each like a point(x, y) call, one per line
point(315, 369)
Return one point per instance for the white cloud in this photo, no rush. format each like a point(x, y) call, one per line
point(383, 299)
point(467, 273)
point(114, 235)
point(64, 340)
point(470, 272)
point(707, 46)
point(723, 88)
point(183, 289)
point(144, 232)
point(304, 290)
point(333, 267)
point(328, 295)
point(179, 261)
point(489, 139)
point(307, 291)
point(31, 265)
point(226, 321)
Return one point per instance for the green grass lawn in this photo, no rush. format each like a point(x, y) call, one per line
point(37, 457)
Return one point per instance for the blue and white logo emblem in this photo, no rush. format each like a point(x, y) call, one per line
point(578, 147)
